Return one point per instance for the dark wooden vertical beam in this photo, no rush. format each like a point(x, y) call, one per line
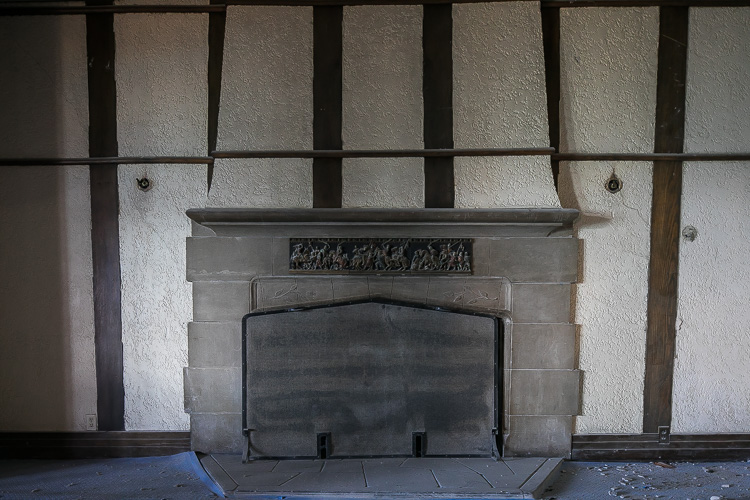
point(437, 92)
point(216, 28)
point(105, 230)
point(665, 219)
point(327, 47)
point(551, 41)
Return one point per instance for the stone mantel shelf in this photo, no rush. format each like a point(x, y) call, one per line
point(449, 216)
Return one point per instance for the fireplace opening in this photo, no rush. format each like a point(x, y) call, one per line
point(371, 378)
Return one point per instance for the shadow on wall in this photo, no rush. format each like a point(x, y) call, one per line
point(35, 307)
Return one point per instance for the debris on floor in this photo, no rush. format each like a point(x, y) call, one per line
point(656, 480)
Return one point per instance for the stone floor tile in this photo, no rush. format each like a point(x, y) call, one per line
point(432, 463)
point(327, 482)
point(298, 466)
point(463, 478)
point(264, 481)
point(233, 464)
point(393, 462)
point(397, 479)
point(524, 466)
point(339, 466)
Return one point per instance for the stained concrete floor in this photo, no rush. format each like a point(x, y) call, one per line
point(646, 480)
point(181, 477)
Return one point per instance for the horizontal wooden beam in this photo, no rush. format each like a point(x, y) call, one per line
point(645, 3)
point(64, 445)
point(651, 156)
point(71, 10)
point(647, 447)
point(104, 160)
point(384, 153)
point(359, 2)
point(373, 153)
point(49, 10)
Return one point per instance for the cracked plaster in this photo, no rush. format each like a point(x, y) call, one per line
point(608, 85)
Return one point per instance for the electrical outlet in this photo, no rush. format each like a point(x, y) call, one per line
point(90, 422)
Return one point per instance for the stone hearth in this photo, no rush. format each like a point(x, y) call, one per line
point(523, 262)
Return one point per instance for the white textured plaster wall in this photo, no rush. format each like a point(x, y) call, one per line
point(47, 365)
point(499, 100)
point(156, 298)
point(162, 95)
point(503, 182)
point(267, 183)
point(162, 109)
point(612, 291)
point(608, 96)
point(382, 105)
point(608, 59)
point(717, 111)
point(711, 392)
point(266, 103)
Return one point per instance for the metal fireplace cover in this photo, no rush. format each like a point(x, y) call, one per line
point(370, 379)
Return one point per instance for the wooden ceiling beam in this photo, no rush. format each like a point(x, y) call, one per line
point(19, 9)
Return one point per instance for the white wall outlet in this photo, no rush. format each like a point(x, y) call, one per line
point(91, 422)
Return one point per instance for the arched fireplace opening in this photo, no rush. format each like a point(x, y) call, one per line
point(371, 378)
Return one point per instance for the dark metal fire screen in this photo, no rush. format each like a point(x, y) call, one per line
point(370, 379)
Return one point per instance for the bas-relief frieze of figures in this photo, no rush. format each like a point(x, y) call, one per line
point(380, 255)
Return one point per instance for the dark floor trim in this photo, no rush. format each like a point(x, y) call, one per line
point(647, 447)
point(327, 104)
point(437, 89)
point(64, 445)
point(105, 228)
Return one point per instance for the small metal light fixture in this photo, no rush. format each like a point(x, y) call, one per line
point(689, 233)
point(614, 184)
point(144, 184)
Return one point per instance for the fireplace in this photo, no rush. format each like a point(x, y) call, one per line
point(432, 276)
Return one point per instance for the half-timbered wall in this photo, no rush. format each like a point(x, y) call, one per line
point(608, 87)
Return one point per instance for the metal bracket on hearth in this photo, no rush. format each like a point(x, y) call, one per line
point(418, 444)
point(495, 451)
point(324, 445)
point(246, 452)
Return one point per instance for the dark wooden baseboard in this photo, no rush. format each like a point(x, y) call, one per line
point(647, 447)
point(115, 444)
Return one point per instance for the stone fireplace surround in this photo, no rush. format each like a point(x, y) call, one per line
point(523, 264)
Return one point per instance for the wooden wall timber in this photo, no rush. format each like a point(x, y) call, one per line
point(216, 27)
point(551, 40)
point(437, 91)
point(105, 229)
point(327, 104)
point(665, 219)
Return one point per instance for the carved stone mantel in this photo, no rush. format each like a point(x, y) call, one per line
point(523, 262)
